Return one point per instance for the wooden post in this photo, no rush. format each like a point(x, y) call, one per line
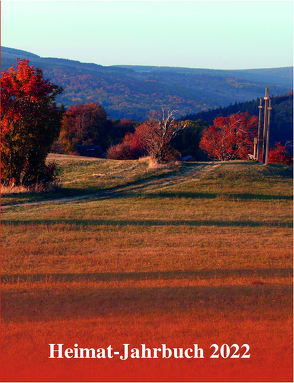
point(266, 98)
point(258, 131)
point(267, 132)
point(254, 148)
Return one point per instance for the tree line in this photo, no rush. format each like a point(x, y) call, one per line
point(281, 116)
point(32, 125)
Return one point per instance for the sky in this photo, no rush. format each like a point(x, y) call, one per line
point(193, 34)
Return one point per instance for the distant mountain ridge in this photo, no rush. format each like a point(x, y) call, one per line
point(132, 91)
point(282, 75)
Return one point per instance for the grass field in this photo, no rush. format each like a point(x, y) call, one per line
point(199, 253)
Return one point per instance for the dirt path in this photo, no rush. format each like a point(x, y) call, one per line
point(168, 180)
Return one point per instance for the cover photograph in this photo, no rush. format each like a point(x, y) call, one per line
point(146, 191)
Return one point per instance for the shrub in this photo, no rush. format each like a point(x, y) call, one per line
point(130, 149)
point(279, 155)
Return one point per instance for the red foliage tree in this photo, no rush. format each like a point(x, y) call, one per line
point(30, 123)
point(230, 137)
point(279, 155)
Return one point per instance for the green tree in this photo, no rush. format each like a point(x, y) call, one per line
point(30, 123)
point(188, 140)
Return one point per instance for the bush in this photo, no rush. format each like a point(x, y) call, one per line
point(45, 175)
point(279, 155)
point(130, 149)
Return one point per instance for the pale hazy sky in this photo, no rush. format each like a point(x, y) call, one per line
point(195, 34)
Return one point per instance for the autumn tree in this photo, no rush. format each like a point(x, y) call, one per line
point(131, 148)
point(157, 133)
point(84, 124)
point(280, 155)
point(230, 138)
point(30, 123)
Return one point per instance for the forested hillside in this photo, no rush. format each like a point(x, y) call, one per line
point(131, 92)
point(281, 122)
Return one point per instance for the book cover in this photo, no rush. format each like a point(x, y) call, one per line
point(140, 270)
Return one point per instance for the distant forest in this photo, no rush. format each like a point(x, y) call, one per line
point(131, 92)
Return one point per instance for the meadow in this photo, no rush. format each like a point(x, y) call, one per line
point(194, 253)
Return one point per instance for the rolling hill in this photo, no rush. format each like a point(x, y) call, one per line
point(132, 91)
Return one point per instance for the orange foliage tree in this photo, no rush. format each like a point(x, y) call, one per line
point(30, 123)
point(230, 137)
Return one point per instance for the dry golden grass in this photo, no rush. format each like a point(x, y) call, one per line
point(154, 164)
point(199, 256)
point(37, 188)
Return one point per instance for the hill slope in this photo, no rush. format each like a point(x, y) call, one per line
point(132, 91)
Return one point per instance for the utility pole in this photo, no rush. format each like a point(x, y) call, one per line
point(265, 126)
point(254, 148)
point(267, 132)
point(258, 132)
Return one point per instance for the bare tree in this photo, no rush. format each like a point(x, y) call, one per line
point(158, 132)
